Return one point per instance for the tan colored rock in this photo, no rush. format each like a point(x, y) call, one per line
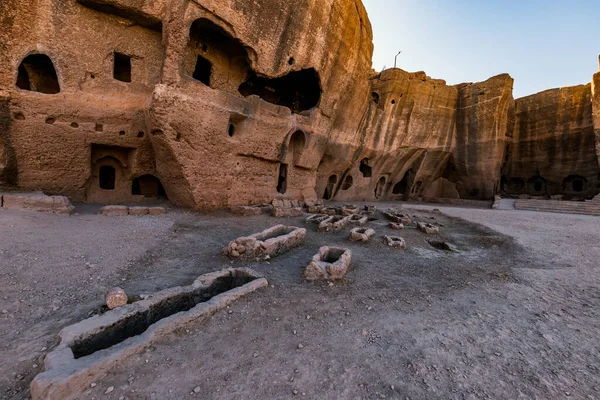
point(115, 297)
point(157, 210)
point(361, 234)
point(138, 210)
point(268, 243)
point(395, 242)
point(246, 210)
point(36, 201)
point(330, 263)
point(396, 225)
point(334, 223)
point(428, 228)
point(114, 211)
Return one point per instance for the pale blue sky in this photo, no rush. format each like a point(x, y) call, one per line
point(542, 44)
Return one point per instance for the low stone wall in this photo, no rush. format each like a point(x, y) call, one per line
point(36, 201)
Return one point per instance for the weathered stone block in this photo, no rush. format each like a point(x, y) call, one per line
point(270, 242)
point(396, 225)
point(157, 210)
point(334, 223)
point(138, 210)
point(329, 263)
point(114, 211)
point(287, 212)
point(246, 210)
point(359, 219)
point(395, 241)
point(361, 234)
point(428, 228)
point(37, 201)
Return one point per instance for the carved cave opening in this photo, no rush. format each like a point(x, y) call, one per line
point(347, 183)
point(380, 188)
point(216, 58)
point(107, 177)
point(575, 184)
point(375, 97)
point(122, 67)
point(299, 90)
point(282, 179)
point(147, 186)
point(365, 169)
point(202, 70)
point(297, 145)
point(403, 186)
point(330, 189)
point(37, 74)
point(537, 185)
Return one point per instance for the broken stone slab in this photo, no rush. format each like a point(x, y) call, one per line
point(115, 297)
point(396, 225)
point(370, 208)
point(114, 211)
point(316, 218)
point(397, 217)
point(88, 350)
point(331, 211)
point(36, 201)
point(395, 241)
point(270, 242)
point(287, 212)
point(137, 210)
point(246, 210)
point(330, 263)
point(428, 228)
point(334, 223)
point(350, 209)
point(361, 234)
point(359, 219)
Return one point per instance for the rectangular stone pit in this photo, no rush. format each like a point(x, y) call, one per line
point(427, 228)
point(266, 244)
point(330, 263)
point(93, 347)
point(334, 223)
point(361, 234)
point(398, 218)
point(358, 219)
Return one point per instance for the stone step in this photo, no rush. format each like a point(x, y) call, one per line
point(557, 206)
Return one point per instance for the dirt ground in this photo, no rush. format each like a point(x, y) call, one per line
point(514, 314)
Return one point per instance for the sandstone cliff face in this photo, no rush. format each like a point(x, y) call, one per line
point(229, 102)
point(553, 148)
point(484, 120)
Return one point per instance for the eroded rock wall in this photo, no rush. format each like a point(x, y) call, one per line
point(217, 103)
point(553, 148)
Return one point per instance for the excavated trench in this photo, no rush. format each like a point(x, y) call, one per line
point(137, 324)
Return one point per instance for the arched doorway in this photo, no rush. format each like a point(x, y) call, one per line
point(147, 186)
point(37, 74)
point(297, 145)
point(330, 189)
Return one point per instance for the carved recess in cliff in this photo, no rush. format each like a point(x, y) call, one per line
point(553, 148)
point(230, 103)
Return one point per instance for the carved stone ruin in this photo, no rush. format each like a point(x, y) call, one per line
point(266, 244)
point(330, 263)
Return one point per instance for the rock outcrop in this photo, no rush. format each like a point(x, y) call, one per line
point(215, 104)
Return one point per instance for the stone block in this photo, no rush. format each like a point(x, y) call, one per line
point(330, 263)
point(157, 211)
point(270, 242)
point(395, 241)
point(138, 210)
point(361, 234)
point(428, 228)
point(114, 211)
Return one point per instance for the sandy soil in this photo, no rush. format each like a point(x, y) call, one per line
point(513, 315)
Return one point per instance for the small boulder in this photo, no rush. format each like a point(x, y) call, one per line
point(115, 297)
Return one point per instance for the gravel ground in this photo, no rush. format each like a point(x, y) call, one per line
point(513, 315)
